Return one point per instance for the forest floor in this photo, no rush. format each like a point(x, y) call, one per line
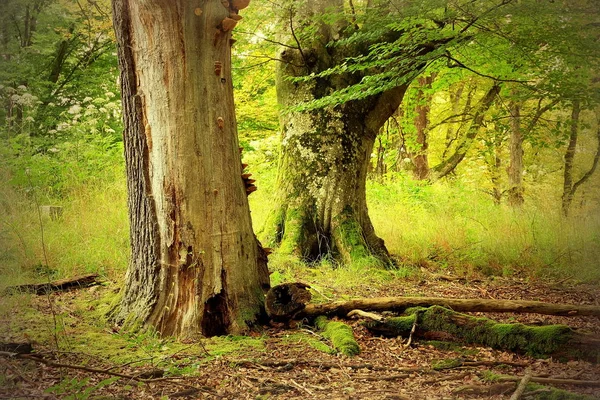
point(278, 363)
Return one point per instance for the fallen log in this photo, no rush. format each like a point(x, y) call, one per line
point(557, 341)
point(55, 286)
point(290, 301)
point(400, 304)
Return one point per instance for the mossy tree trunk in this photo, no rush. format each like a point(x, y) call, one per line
point(321, 185)
point(196, 266)
point(325, 153)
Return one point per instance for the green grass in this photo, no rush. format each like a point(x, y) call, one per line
point(446, 227)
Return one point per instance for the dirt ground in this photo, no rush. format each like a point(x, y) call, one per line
point(285, 366)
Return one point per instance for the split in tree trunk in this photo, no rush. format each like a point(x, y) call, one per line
point(557, 341)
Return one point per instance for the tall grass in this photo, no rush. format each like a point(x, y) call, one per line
point(449, 226)
point(92, 235)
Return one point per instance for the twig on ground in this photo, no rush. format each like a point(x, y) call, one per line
point(522, 385)
point(38, 358)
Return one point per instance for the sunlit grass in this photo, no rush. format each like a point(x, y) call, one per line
point(447, 227)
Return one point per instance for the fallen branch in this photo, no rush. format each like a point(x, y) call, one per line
point(37, 358)
point(56, 286)
point(552, 381)
point(286, 364)
point(340, 335)
point(400, 304)
point(522, 386)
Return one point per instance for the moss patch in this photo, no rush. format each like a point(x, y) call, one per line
point(340, 334)
point(537, 341)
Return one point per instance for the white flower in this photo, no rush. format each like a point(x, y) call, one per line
point(75, 109)
point(87, 99)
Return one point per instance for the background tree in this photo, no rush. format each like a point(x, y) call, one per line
point(196, 266)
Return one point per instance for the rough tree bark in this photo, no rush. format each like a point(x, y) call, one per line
point(196, 266)
point(321, 198)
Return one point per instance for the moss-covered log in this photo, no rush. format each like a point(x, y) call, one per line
point(540, 341)
point(340, 335)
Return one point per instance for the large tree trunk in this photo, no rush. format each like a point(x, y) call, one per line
point(196, 266)
point(321, 197)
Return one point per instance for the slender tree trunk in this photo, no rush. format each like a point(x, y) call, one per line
point(196, 266)
point(448, 165)
point(568, 179)
point(570, 186)
point(420, 160)
point(515, 169)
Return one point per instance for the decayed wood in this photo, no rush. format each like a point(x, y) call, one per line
point(55, 286)
point(286, 299)
point(399, 304)
point(16, 348)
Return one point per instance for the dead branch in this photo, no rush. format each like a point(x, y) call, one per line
point(400, 304)
point(552, 381)
point(38, 358)
point(522, 386)
point(56, 286)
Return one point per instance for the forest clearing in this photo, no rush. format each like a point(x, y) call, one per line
point(324, 199)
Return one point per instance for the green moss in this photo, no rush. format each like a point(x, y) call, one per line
point(311, 341)
point(537, 341)
point(340, 335)
point(350, 235)
point(556, 394)
point(533, 340)
point(446, 364)
point(293, 233)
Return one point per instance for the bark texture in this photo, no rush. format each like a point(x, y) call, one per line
point(321, 197)
point(196, 266)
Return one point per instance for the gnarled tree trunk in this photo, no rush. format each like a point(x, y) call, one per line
point(321, 196)
point(196, 266)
